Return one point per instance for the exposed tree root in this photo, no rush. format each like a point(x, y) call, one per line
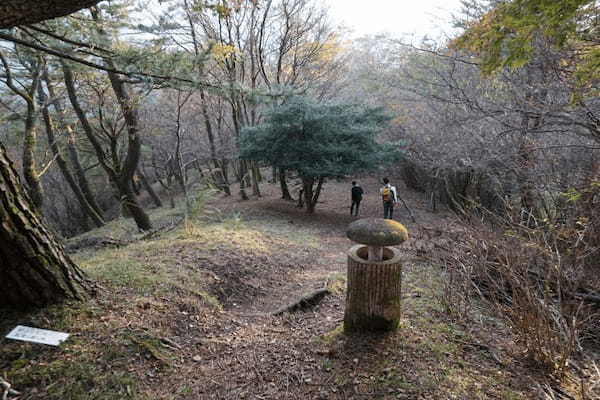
point(308, 301)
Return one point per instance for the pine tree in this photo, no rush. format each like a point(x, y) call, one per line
point(505, 36)
point(319, 141)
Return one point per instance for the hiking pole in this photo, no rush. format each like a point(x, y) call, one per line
point(405, 205)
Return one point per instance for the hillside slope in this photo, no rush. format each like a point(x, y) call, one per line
point(186, 314)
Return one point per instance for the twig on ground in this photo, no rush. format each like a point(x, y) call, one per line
point(553, 393)
point(483, 347)
point(7, 390)
point(408, 209)
point(170, 343)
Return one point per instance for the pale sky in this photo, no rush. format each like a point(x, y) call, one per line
point(398, 17)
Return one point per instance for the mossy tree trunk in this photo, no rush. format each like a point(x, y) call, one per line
point(34, 270)
point(374, 291)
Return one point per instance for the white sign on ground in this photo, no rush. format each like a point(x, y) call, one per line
point(35, 335)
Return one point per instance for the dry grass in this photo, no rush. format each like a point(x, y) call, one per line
point(532, 290)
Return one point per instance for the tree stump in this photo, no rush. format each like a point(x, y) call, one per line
point(374, 291)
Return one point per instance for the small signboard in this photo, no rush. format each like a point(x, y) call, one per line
point(35, 335)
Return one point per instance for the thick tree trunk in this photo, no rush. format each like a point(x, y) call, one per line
point(374, 291)
point(131, 204)
point(285, 192)
point(34, 270)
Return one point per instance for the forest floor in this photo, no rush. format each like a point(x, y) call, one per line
point(186, 314)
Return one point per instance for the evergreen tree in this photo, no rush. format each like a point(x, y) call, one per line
point(319, 141)
point(506, 36)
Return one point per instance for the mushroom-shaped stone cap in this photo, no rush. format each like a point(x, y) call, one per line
point(377, 232)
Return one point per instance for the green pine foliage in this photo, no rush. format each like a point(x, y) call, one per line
point(505, 36)
point(319, 140)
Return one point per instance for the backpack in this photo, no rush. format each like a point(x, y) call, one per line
point(387, 194)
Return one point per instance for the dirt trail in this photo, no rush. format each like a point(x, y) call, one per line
point(303, 355)
point(329, 226)
point(186, 315)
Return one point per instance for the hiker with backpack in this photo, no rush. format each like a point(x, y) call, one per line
point(357, 194)
point(389, 197)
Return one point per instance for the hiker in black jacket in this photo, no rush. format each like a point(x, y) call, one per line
point(357, 193)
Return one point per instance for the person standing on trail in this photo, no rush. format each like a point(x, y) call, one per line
point(357, 194)
point(389, 197)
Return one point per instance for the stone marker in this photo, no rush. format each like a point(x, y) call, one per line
point(374, 275)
